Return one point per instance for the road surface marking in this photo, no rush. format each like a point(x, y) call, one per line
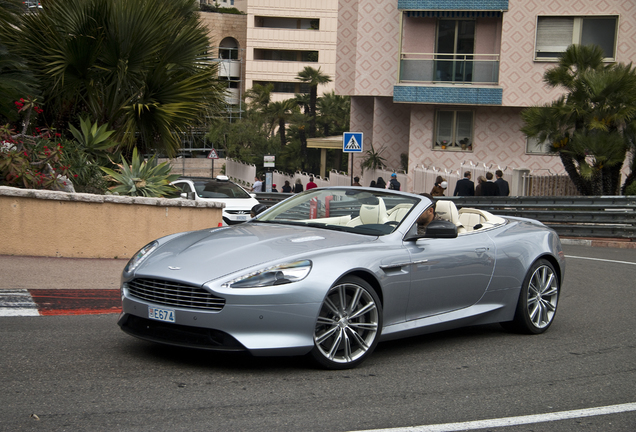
point(514, 421)
point(600, 259)
point(17, 302)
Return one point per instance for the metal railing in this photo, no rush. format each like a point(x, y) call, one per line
point(449, 68)
point(572, 216)
point(569, 216)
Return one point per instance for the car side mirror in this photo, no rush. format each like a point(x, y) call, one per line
point(441, 229)
point(435, 229)
point(189, 195)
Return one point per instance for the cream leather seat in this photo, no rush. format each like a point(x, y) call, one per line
point(448, 211)
point(371, 214)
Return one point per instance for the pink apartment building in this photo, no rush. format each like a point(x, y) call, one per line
point(445, 81)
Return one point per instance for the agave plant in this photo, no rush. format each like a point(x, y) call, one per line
point(94, 138)
point(141, 178)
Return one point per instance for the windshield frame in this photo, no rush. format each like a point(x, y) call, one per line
point(339, 208)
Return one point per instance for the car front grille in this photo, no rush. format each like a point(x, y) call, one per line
point(174, 294)
point(238, 212)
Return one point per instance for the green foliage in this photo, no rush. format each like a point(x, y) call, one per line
point(84, 167)
point(588, 127)
point(141, 67)
point(333, 113)
point(631, 189)
point(142, 178)
point(92, 137)
point(373, 159)
point(313, 78)
point(35, 163)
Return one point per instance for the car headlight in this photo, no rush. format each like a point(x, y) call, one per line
point(276, 275)
point(140, 256)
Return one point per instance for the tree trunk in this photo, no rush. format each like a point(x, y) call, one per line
point(281, 131)
point(583, 186)
point(303, 146)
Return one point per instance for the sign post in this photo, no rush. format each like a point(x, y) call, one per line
point(269, 161)
point(352, 143)
point(212, 155)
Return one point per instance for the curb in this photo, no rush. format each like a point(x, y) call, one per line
point(43, 302)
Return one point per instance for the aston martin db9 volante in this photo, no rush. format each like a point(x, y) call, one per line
point(333, 271)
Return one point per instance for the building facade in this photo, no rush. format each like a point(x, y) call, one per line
point(444, 81)
point(285, 36)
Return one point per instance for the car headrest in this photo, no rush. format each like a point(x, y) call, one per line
point(373, 214)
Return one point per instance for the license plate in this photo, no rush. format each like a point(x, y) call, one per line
point(242, 218)
point(161, 314)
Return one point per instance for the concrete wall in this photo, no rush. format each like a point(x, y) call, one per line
point(60, 224)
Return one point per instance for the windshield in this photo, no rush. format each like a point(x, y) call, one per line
point(219, 189)
point(363, 211)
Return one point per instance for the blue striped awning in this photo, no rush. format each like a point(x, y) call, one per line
point(454, 14)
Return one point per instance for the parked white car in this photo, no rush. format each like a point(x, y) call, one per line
point(238, 202)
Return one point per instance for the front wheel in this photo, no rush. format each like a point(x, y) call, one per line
point(348, 325)
point(537, 301)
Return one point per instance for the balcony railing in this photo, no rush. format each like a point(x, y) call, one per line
point(449, 68)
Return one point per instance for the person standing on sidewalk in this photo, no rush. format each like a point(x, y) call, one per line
point(465, 187)
point(502, 185)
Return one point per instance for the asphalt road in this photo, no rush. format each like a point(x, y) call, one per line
point(82, 373)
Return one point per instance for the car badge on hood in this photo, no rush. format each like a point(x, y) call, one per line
point(174, 268)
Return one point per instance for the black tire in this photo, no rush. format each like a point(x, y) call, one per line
point(538, 299)
point(348, 326)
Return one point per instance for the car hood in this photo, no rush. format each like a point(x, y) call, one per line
point(201, 256)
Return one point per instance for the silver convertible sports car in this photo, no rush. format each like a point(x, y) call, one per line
point(333, 271)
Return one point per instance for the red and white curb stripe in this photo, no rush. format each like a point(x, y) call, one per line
point(39, 302)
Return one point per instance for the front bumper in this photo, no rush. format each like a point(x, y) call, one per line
point(262, 330)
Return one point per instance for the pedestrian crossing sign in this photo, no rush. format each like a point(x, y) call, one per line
point(352, 142)
point(213, 155)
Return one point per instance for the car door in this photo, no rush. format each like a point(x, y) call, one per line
point(449, 274)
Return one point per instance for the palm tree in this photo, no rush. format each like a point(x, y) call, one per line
point(259, 96)
point(314, 78)
point(142, 67)
point(587, 125)
point(15, 80)
point(334, 113)
point(280, 113)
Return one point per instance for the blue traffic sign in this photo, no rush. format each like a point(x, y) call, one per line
point(352, 142)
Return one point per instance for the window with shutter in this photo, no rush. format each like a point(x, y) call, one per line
point(555, 34)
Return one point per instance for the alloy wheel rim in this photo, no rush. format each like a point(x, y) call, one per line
point(347, 324)
point(543, 294)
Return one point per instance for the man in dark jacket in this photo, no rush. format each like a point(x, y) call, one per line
point(502, 185)
point(465, 187)
point(489, 188)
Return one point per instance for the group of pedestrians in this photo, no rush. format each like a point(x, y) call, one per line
point(393, 184)
point(464, 187)
point(259, 186)
point(485, 185)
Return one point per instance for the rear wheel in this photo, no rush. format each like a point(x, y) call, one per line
point(348, 325)
point(537, 301)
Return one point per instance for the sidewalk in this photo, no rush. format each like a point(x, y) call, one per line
point(17, 272)
point(36, 286)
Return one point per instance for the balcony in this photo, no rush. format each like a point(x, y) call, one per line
point(421, 68)
point(229, 68)
point(456, 79)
